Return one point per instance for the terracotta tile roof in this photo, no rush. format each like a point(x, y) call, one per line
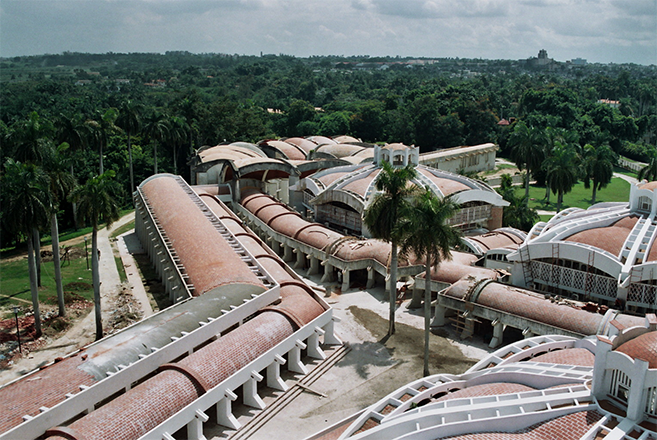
point(610, 238)
point(568, 427)
point(487, 389)
point(572, 356)
point(642, 347)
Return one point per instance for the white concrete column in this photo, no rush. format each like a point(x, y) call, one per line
point(602, 349)
point(622, 293)
point(250, 391)
point(345, 280)
point(329, 332)
point(416, 300)
point(225, 415)
point(274, 374)
point(195, 426)
point(635, 401)
point(287, 252)
point(527, 333)
point(294, 359)
point(498, 334)
point(301, 259)
point(370, 277)
point(328, 272)
point(276, 246)
point(314, 349)
point(313, 266)
point(439, 315)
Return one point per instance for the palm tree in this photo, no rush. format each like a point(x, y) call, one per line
point(177, 135)
point(26, 208)
point(156, 130)
point(31, 140)
point(428, 235)
point(96, 205)
point(129, 120)
point(518, 214)
point(649, 172)
point(61, 183)
point(598, 166)
point(562, 170)
point(565, 137)
point(75, 133)
point(382, 217)
point(102, 128)
point(527, 150)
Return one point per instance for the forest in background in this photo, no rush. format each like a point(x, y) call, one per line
point(184, 101)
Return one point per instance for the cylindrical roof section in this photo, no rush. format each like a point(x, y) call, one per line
point(208, 259)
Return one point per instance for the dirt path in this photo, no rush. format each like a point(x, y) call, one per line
point(83, 331)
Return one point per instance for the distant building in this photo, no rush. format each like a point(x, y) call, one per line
point(540, 62)
point(609, 102)
point(578, 62)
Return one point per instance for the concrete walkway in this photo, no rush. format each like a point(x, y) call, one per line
point(129, 245)
point(628, 179)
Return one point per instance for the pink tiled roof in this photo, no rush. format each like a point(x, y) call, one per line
point(571, 356)
point(610, 238)
point(487, 389)
point(648, 185)
point(447, 186)
point(519, 302)
point(568, 427)
point(642, 347)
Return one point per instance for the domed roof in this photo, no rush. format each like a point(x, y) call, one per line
point(648, 185)
point(642, 347)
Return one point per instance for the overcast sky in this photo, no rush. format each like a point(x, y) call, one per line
point(605, 31)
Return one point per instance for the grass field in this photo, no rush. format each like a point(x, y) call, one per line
point(15, 286)
point(617, 191)
point(15, 281)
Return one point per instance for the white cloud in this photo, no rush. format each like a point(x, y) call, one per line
point(601, 30)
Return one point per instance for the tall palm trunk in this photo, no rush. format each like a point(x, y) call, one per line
point(527, 188)
point(393, 287)
point(132, 178)
point(54, 232)
point(37, 254)
point(595, 190)
point(427, 312)
point(155, 159)
point(75, 206)
point(95, 276)
point(175, 160)
point(34, 289)
point(191, 154)
point(102, 169)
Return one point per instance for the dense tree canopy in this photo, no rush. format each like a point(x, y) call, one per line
point(158, 108)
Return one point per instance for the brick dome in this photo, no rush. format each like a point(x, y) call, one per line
point(642, 347)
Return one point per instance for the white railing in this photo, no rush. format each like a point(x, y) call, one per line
point(574, 280)
point(194, 413)
point(642, 295)
point(180, 345)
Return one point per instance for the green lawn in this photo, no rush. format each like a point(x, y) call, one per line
point(617, 191)
point(15, 285)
